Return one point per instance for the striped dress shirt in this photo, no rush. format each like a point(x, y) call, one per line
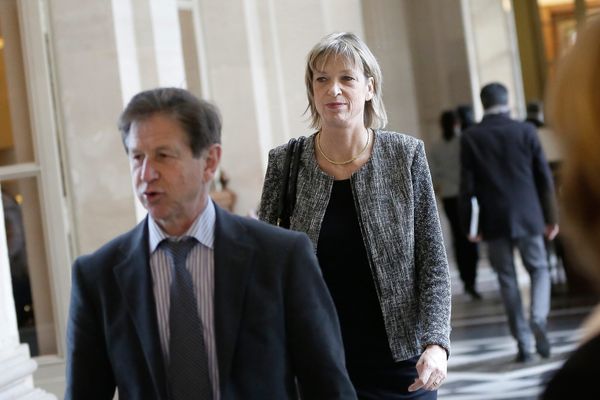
point(200, 263)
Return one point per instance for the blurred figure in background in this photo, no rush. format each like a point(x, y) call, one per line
point(19, 270)
point(445, 170)
point(466, 116)
point(553, 152)
point(17, 257)
point(574, 110)
point(504, 168)
point(535, 114)
point(552, 149)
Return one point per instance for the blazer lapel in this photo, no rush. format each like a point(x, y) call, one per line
point(135, 282)
point(233, 263)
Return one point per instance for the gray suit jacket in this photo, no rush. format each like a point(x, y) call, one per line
point(398, 217)
point(274, 319)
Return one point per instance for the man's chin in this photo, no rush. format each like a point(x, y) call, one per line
point(156, 213)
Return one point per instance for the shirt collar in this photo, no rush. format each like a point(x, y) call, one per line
point(203, 229)
point(499, 109)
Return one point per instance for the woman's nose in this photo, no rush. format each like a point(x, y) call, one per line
point(334, 89)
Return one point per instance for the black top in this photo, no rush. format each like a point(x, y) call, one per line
point(344, 262)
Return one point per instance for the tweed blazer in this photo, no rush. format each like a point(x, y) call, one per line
point(400, 226)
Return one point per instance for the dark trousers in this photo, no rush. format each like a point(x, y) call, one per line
point(389, 382)
point(466, 252)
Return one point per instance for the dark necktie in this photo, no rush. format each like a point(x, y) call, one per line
point(188, 362)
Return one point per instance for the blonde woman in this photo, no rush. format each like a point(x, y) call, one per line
point(365, 199)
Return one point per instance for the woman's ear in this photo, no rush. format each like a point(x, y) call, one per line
point(371, 89)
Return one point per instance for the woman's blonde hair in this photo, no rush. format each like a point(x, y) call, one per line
point(574, 113)
point(356, 53)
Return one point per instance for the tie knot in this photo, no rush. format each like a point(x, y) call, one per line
point(179, 250)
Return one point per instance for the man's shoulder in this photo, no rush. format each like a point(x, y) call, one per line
point(259, 229)
point(493, 123)
point(503, 119)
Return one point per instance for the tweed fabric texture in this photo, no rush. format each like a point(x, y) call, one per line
point(399, 221)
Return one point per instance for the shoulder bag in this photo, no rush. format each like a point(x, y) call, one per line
point(287, 189)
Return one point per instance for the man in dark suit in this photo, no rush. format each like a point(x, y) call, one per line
point(194, 302)
point(504, 168)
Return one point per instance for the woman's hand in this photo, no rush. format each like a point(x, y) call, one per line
point(432, 369)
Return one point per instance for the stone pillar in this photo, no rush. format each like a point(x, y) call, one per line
point(421, 47)
point(387, 34)
point(441, 65)
point(492, 49)
point(16, 365)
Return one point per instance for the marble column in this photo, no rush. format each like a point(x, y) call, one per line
point(16, 365)
point(493, 51)
point(387, 34)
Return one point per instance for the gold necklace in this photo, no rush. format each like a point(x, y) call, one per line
point(342, 162)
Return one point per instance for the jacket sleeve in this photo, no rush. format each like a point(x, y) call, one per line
point(267, 210)
point(434, 164)
point(89, 372)
point(430, 258)
point(312, 327)
point(543, 179)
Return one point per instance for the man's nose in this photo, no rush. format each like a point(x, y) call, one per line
point(149, 173)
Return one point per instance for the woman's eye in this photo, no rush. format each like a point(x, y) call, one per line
point(321, 79)
point(348, 78)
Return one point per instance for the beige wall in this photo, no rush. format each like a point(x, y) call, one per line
point(386, 32)
point(441, 65)
point(89, 100)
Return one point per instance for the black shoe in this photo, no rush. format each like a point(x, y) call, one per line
point(524, 357)
point(542, 346)
point(473, 293)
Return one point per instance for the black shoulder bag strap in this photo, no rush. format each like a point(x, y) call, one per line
point(289, 178)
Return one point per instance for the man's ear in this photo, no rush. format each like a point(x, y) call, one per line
point(213, 158)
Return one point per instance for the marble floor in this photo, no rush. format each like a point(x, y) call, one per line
point(481, 366)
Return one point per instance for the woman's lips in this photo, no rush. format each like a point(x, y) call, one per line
point(334, 105)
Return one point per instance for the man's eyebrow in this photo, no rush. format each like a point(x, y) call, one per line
point(164, 147)
point(157, 149)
